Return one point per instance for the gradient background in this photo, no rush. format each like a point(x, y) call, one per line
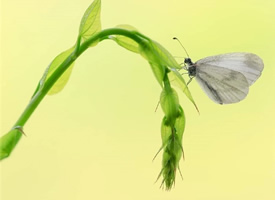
point(96, 139)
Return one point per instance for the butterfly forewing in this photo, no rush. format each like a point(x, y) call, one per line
point(250, 65)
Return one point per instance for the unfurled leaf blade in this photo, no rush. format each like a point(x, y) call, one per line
point(176, 79)
point(90, 23)
point(144, 48)
point(158, 71)
point(126, 42)
point(62, 81)
point(147, 52)
point(165, 56)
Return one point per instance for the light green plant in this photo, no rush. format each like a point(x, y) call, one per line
point(163, 65)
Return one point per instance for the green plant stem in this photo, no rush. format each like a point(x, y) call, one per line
point(80, 48)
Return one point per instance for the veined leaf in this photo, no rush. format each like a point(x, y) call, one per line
point(165, 56)
point(61, 82)
point(147, 51)
point(176, 79)
point(63, 79)
point(158, 71)
point(126, 42)
point(157, 54)
point(174, 76)
point(90, 23)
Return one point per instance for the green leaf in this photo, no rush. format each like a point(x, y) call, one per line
point(176, 79)
point(144, 48)
point(158, 71)
point(157, 55)
point(165, 56)
point(90, 23)
point(8, 142)
point(61, 82)
point(169, 102)
point(147, 51)
point(180, 123)
point(126, 42)
point(63, 79)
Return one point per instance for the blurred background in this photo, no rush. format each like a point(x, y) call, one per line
point(96, 139)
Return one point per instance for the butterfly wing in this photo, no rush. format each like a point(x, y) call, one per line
point(250, 65)
point(222, 85)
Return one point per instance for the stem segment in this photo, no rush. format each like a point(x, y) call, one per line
point(80, 48)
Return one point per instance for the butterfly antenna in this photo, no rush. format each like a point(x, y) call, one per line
point(174, 38)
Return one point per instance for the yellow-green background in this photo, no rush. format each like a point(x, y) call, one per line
point(96, 139)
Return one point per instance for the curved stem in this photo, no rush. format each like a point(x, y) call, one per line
point(79, 49)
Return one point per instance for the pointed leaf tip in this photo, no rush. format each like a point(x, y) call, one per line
point(90, 23)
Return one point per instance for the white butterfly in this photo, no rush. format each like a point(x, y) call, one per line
point(226, 78)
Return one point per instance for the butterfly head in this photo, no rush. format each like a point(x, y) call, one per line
point(188, 61)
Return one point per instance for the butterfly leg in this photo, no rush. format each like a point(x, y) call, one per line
point(190, 80)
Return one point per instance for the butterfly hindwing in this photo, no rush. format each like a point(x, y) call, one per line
point(222, 85)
